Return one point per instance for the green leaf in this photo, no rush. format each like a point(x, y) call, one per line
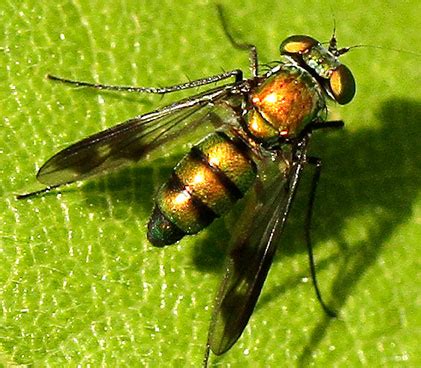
point(79, 284)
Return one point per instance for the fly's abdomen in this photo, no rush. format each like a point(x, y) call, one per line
point(204, 185)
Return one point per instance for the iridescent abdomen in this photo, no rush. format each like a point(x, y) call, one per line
point(204, 185)
point(284, 103)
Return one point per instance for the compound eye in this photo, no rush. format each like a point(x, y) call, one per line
point(297, 44)
point(342, 85)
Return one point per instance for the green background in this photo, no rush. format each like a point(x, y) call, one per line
point(80, 284)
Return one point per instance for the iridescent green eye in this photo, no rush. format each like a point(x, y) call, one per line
point(297, 44)
point(342, 85)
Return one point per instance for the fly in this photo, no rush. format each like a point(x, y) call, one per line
point(257, 147)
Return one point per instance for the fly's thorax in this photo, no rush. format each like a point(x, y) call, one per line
point(284, 103)
point(204, 185)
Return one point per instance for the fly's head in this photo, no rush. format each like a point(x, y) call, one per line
point(323, 63)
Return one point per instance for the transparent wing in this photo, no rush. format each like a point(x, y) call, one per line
point(250, 258)
point(130, 140)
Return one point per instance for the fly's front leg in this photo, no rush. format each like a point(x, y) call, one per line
point(330, 124)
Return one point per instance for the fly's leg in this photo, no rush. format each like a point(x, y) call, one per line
point(206, 356)
point(317, 163)
point(38, 192)
point(330, 124)
point(240, 45)
point(237, 74)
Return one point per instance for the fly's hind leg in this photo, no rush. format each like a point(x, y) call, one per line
point(317, 163)
point(237, 74)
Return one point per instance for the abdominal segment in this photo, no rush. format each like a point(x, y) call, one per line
point(203, 186)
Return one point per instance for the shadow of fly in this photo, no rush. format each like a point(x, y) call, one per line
point(260, 129)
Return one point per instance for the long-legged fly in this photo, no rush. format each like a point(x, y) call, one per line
point(260, 130)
